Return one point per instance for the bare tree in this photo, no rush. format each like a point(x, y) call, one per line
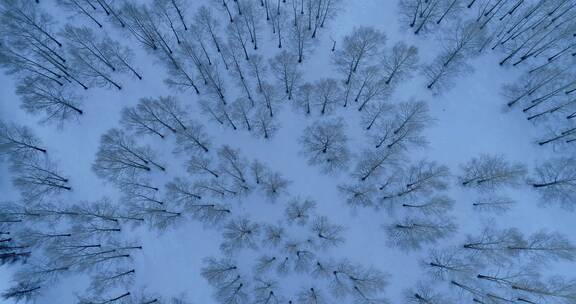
point(359, 47)
point(172, 10)
point(239, 234)
point(274, 184)
point(92, 70)
point(157, 214)
point(503, 244)
point(311, 296)
point(40, 211)
point(42, 270)
point(258, 170)
point(82, 8)
point(265, 263)
point(37, 238)
point(196, 54)
point(184, 194)
point(210, 26)
point(440, 76)
point(491, 172)
point(98, 298)
point(141, 196)
point(27, 65)
point(299, 211)
point(24, 291)
point(201, 165)
point(423, 177)
point(84, 42)
point(25, 18)
point(239, 71)
point(136, 19)
point(134, 119)
point(371, 86)
point(285, 68)
point(327, 94)
point(119, 156)
point(251, 19)
point(219, 113)
point(300, 39)
point(270, 100)
point(424, 294)
point(359, 194)
point(493, 244)
point(57, 104)
point(559, 135)
point(493, 203)
point(233, 164)
point(38, 178)
point(19, 141)
point(436, 205)
point(242, 112)
point(192, 138)
point(424, 17)
point(464, 41)
point(258, 69)
point(399, 63)
point(100, 211)
point(372, 163)
point(544, 246)
point(274, 235)
point(121, 56)
point(374, 113)
point(324, 144)
point(556, 182)
point(449, 263)
point(217, 271)
point(112, 11)
point(13, 214)
point(119, 277)
point(555, 290)
point(326, 233)
point(155, 116)
point(475, 292)
point(266, 291)
point(96, 231)
point(304, 98)
point(238, 37)
point(313, 13)
point(217, 188)
point(283, 266)
point(363, 284)
point(405, 128)
point(534, 82)
point(279, 23)
point(182, 78)
point(412, 233)
point(233, 291)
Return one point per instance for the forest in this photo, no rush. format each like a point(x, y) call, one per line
point(288, 151)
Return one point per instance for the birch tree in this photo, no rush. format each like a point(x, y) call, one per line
point(325, 144)
point(56, 104)
point(285, 68)
point(555, 181)
point(39, 178)
point(19, 141)
point(399, 63)
point(119, 156)
point(359, 47)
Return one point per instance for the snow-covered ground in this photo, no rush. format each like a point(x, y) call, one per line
point(470, 119)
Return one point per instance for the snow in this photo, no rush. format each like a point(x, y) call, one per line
point(470, 119)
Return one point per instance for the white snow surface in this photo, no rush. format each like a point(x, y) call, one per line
point(469, 120)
